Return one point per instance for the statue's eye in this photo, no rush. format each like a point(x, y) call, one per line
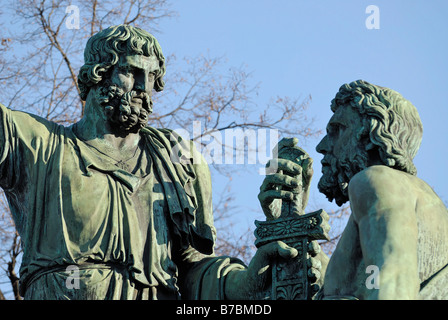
point(126, 71)
point(335, 128)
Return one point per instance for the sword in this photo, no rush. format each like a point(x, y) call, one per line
point(290, 279)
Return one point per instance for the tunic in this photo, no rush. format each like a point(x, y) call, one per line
point(148, 234)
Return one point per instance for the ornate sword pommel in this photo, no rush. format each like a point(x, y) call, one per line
point(298, 155)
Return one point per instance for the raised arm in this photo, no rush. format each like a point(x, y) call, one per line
point(24, 137)
point(26, 143)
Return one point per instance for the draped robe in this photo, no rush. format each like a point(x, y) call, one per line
point(146, 234)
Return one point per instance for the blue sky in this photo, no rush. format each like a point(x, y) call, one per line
point(296, 48)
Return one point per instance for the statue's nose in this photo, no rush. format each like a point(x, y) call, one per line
point(323, 146)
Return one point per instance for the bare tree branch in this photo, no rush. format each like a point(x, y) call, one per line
point(38, 63)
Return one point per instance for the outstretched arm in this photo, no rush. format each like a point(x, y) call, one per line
point(26, 142)
point(384, 209)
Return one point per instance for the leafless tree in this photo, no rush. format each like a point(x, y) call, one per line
point(40, 55)
point(337, 221)
point(10, 250)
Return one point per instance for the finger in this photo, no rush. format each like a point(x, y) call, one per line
point(286, 251)
point(314, 263)
point(270, 195)
point(279, 180)
point(289, 166)
point(313, 275)
point(307, 171)
point(278, 248)
point(314, 248)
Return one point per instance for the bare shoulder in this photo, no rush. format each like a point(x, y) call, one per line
point(381, 187)
point(379, 178)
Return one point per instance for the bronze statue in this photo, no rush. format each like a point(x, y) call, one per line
point(104, 198)
point(396, 240)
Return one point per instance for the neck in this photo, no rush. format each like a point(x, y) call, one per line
point(374, 157)
point(95, 129)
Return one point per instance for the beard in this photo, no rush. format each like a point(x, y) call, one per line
point(126, 112)
point(336, 175)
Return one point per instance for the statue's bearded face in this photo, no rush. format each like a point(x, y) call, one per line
point(126, 96)
point(344, 154)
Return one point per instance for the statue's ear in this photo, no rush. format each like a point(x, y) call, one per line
point(363, 136)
